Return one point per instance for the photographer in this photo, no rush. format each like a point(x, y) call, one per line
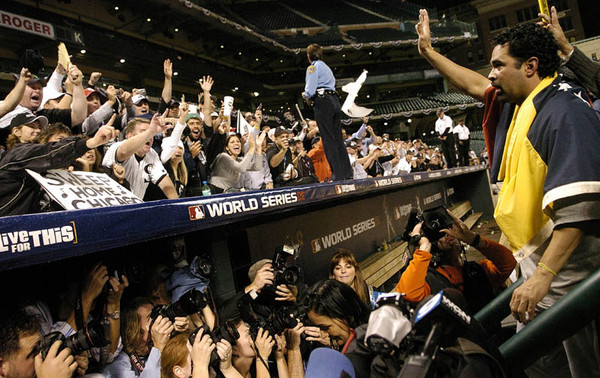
point(180, 359)
point(248, 351)
point(19, 337)
point(143, 341)
point(477, 281)
point(335, 310)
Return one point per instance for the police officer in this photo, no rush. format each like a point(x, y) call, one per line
point(320, 92)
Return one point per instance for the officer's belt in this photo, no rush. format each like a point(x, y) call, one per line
point(323, 91)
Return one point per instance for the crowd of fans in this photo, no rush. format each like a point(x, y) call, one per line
point(179, 150)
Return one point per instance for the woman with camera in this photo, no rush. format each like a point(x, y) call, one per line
point(180, 359)
point(441, 265)
point(344, 268)
point(335, 310)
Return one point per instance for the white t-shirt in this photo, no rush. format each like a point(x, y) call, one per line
point(402, 165)
point(462, 131)
point(138, 173)
point(443, 124)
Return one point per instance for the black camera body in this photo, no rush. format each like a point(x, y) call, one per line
point(95, 335)
point(286, 274)
point(227, 331)
point(434, 221)
point(190, 303)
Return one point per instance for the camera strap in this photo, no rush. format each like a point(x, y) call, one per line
point(79, 321)
point(137, 362)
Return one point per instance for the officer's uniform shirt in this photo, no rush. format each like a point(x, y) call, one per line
point(443, 126)
point(462, 132)
point(318, 75)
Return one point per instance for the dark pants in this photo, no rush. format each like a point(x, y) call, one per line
point(463, 152)
point(328, 116)
point(449, 151)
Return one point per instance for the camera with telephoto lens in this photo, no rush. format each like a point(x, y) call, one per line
point(94, 335)
point(389, 325)
point(227, 331)
point(434, 221)
point(190, 303)
point(285, 274)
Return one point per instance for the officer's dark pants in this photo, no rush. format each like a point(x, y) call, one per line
point(463, 152)
point(328, 114)
point(449, 151)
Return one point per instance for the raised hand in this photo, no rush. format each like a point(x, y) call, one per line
point(161, 332)
point(423, 31)
point(94, 77)
point(56, 365)
point(158, 123)
point(551, 23)
point(168, 69)
point(103, 135)
point(264, 343)
point(206, 84)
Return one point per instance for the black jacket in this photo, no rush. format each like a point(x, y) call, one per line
point(20, 192)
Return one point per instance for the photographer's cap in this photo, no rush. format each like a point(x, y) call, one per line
point(256, 267)
point(326, 363)
point(281, 130)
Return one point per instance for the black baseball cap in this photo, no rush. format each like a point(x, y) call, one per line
point(28, 119)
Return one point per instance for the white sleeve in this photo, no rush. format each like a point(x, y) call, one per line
point(158, 170)
point(169, 144)
point(111, 155)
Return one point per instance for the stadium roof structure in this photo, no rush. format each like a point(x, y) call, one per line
point(255, 50)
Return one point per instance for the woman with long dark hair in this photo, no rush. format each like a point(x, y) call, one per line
point(344, 268)
point(336, 310)
point(228, 166)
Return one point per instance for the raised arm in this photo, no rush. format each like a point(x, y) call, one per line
point(206, 85)
point(168, 85)
point(466, 80)
point(79, 105)
point(14, 97)
point(131, 145)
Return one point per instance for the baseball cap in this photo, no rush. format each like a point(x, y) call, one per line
point(281, 130)
point(419, 155)
point(138, 98)
point(33, 80)
point(173, 103)
point(193, 116)
point(89, 91)
point(27, 119)
point(325, 363)
point(214, 114)
point(254, 268)
point(351, 143)
point(50, 94)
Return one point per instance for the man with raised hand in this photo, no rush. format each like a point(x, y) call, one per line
point(142, 164)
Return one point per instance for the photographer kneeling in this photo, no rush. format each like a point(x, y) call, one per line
point(441, 265)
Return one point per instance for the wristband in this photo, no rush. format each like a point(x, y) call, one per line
point(476, 241)
point(69, 94)
point(116, 315)
point(547, 268)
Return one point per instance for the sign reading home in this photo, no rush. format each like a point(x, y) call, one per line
point(84, 190)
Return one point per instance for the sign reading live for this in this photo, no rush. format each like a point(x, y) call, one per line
point(26, 240)
point(83, 190)
point(26, 24)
